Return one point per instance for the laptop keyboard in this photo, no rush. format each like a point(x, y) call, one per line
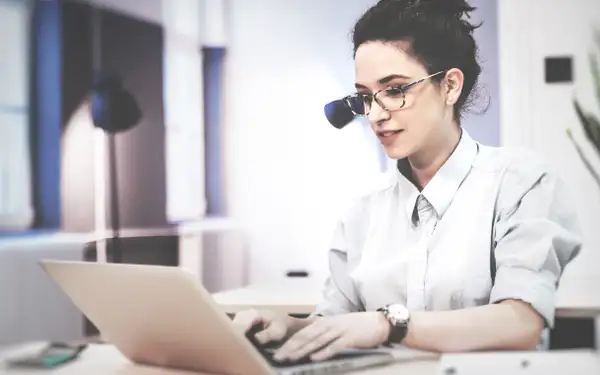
point(268, 352)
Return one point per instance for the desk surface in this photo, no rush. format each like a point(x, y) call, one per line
point(577, 297)
point(106, 360)
point(293, 296)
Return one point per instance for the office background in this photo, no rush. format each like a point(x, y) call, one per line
point(233, 127)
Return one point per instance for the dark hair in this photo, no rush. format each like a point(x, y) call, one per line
point(438, 34)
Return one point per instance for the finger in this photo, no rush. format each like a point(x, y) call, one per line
point(244, 320)
point(274, 332)
point(330, 350)
point(299, 340)
point(319, 342)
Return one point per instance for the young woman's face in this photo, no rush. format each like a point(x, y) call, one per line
point(426, 116)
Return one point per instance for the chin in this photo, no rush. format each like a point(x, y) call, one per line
point(396, 153)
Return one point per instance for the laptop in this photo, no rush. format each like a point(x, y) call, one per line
point(163, 316)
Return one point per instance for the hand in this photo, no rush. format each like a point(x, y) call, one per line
point(329, 336)
point(276, 325)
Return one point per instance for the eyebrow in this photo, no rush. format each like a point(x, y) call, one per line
point(384, 80)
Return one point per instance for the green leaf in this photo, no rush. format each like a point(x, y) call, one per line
point(591, 126)
point(595, 69)
point(594, 123)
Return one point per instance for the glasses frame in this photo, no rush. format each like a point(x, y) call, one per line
point(402, 88)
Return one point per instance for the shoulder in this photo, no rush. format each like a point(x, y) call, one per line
point(512, 160)
point(520, 171)
point(374, 195)
point(515, 164)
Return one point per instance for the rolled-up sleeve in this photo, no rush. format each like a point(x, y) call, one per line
point(536, 236)
point(339, 294)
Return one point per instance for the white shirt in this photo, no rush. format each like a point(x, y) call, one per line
point(430, 249)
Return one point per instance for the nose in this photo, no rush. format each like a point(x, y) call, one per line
point(377, 114)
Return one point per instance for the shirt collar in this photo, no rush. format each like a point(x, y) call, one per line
point(440, 191)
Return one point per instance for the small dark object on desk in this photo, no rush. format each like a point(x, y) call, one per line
point(297, 273)
point(53, 355)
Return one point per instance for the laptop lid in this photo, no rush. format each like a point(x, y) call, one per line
point(157, 315)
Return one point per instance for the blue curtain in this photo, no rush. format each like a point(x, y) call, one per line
point(213, 63)
point(47, 111)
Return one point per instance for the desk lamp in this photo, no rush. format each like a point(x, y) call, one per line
point(114, 110)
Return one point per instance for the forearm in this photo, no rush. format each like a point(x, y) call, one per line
point(510, 325)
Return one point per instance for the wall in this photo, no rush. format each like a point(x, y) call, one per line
point(288, 170)
point(483, 121)
point(536, 114)
point(183, 96)
point(289, 173)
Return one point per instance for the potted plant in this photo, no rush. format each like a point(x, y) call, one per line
point(589, 122)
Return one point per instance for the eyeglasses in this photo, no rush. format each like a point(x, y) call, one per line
point(390, 99)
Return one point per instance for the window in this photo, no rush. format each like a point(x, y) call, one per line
point(16, 210)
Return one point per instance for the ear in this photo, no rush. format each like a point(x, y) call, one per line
point(454, 84)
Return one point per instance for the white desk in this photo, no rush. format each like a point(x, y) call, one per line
point(579, 297)
point(524, 363)
point(290, 296)
point(576, 298)
point(106, 360)
point(101, 359)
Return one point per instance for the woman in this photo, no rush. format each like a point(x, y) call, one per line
point(463, 248)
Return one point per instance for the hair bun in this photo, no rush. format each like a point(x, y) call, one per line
point(456, 8)
point(449, 8)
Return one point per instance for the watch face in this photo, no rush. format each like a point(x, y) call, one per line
point(398, 313)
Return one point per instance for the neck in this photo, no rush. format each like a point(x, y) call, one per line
point(430, 159)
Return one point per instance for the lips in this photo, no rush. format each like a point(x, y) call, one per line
point(388, 133)
point(387, 137)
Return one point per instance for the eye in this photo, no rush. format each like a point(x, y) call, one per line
point(395, 91)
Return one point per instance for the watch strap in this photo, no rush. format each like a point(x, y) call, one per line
point(397, 331)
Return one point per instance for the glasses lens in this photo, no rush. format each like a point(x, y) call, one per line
point(357, 104)
point(392, 98)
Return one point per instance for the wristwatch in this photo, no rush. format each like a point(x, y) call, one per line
point(398, 316)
